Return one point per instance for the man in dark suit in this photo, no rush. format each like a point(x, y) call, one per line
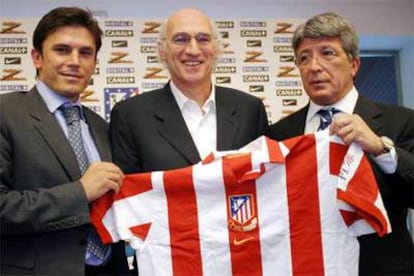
point(44, 196)
point(180, 124)
point(327, 55)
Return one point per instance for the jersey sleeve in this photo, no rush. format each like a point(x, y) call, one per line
point(357, 187)
point(115, 216)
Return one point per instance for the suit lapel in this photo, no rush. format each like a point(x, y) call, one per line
point(49, 129)
point(173, 127)
point(226, 123)
point(368, 111)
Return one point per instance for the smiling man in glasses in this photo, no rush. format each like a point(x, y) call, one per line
point(181, 123)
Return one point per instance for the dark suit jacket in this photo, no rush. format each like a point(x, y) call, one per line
point(44, 212)
point(149, 133)
point(393, 254)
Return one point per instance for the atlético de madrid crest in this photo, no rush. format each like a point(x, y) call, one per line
point(242, 215)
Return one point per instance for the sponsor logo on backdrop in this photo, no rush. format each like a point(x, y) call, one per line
point(289, 102)
point(252, 56)
point(256, 88)
point(148, 49)
point(119, 33)
point(152, 85)
point(224, 34)
point(97, 71)
point(120, 70)
point(148, 40)
point(286, 72)
point(115, 95)
point(118, 57)
point(282, 49)
point(12, 75)
point(296, 83)
point(287, 58)
point(253, 24)
point(224, 24)
point(12, 60)
point(255, 69)
point(151, 27)
point(256, 78)
point(154, 73)
point(226, 60)
point(288, 92)
point(13, 50)
point(225, 69)
point(119, 23)
point(253, 33)
point(221, 80)
point(11, 27)
point(152, 59)
point(91, 81)
point(284, 28)
point(89, 96)
point(120, 80)
point(119, 43)
point(13, 40)
point(282, 40)
point(226, 48)
point(10, 87)
point(254, 43)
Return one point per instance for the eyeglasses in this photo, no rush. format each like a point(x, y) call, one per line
point(325, 55)
point(183, 39)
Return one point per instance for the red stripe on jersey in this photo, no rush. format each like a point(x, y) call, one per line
point(244, 241)
point(183, 222)
point(134, 184)
point(303, 202)
point(129, 188)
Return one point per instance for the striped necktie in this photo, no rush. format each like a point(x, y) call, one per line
point(326, 116)
point(97, 253)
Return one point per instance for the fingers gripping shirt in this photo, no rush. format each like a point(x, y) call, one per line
point(285, 208)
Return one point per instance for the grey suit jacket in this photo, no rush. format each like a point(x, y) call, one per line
point(393, 254)
point(149, 133)
point(44, 212)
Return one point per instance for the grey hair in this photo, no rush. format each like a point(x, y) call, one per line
point(328, 25)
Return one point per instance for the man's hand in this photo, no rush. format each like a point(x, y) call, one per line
point(351, 128)
point(101, 177)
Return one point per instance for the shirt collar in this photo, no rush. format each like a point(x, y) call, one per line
point(183, 99)
point(346, 104)
point(52, 99)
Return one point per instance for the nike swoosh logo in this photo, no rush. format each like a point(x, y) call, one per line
point(119, 44)
point(222, 80)
point(286, 59)
point(253, 43)
point(240, 242)
point(11, 61)
point(255, 89)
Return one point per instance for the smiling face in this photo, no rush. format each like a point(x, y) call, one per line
point(190, 49)
point(67, 61)
point(327, 71)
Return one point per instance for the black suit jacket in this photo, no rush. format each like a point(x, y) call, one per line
point(149, 133)
point(393, 254)
point(44, 212)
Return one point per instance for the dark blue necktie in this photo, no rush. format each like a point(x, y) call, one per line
point(326, 116)
point(97, 253)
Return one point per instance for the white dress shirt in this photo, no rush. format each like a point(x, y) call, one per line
point(200, 121)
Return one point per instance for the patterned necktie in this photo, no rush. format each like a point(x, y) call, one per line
point(96, 252)
point(326, 116)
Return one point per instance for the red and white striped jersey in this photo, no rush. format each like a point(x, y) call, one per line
point(271, 208)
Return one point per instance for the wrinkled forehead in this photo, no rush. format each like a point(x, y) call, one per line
point(191, 23)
